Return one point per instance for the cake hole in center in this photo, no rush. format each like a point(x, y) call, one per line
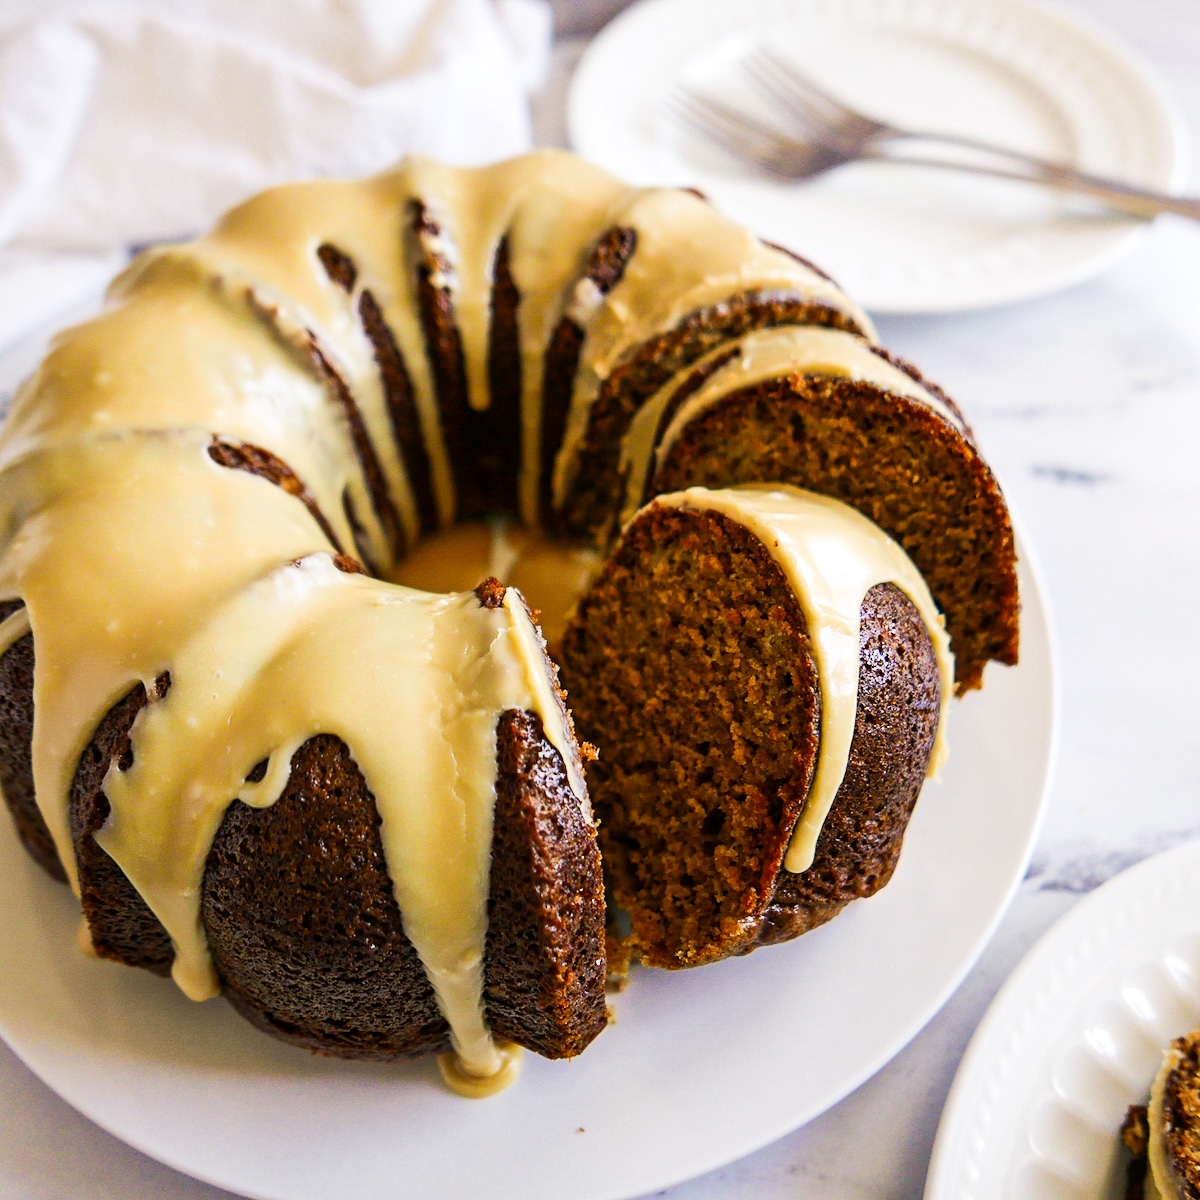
point(550, 574)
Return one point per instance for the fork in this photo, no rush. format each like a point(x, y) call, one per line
point(835, 134)
point(750, 140)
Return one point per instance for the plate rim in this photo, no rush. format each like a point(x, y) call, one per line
point(1035, 597)
point(1019, 992)
point(1082, 26)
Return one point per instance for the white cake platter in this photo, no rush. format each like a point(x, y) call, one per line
point(900, 239)
point(701, 1067)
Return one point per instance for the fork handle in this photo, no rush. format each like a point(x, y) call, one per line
point(1124, 197)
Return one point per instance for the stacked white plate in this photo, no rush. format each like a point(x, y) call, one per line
point(899, 238)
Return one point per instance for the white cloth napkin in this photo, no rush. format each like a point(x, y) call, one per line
point(124, 123)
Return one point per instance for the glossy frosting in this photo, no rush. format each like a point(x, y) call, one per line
point(267, 644)
point(552, 207)
point(832, 556)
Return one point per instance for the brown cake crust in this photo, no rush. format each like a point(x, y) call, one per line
point(303, 923)
point(804, 262)
point(902, 364)
point(484, 445)
point(397, 384)
point(242, 456)
point(605, 266)
point(306, 934)
point(308, 352)
point(689, 387)
point(339, 266)
point(16, 741)
point(1135, 1134)
point(697, 802)
point(899, 693)
point(497, 447)
point(544, 968)
point(402, 408)
point(297, 901)
point(443, 344)
point(121, 924)
point(368, 458)
point(897, 462)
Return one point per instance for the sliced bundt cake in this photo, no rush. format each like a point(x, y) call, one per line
point(358, 808)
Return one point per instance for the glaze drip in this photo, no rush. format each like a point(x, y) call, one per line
point(832, 556)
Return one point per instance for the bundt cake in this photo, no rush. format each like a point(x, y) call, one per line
point(359, 808)
point(1163, 1137)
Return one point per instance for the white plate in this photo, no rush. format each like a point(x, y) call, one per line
point(1074, 1037)
point(701, 1067)
point(900, 239)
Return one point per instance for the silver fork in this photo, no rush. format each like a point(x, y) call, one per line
point(834, 134)
point(750, 140)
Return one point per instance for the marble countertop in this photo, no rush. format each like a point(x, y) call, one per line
point(1088, 406)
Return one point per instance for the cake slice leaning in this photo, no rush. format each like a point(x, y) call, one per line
point(766, 676)
point(822, 409)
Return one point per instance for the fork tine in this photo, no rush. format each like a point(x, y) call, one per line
point(767, 69)
point(744, 138)
point(741, 150)
point(713, 133)
point(740, 136)
point(817, 124)
point(797, 84)
point(735, 122)
point(735, 146)
point(688, 113)
point(823, 115)
point(748, 140)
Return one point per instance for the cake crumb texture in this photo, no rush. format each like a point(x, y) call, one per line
point(899, 464)
point(688, 666)
point(697, 801)
point(1181, 1115)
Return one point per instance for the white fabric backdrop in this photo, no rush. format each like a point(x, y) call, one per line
point(129, 122)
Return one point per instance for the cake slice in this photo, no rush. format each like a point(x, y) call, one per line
point(822, 409)
point(1163, 1137)
point(815, 670)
